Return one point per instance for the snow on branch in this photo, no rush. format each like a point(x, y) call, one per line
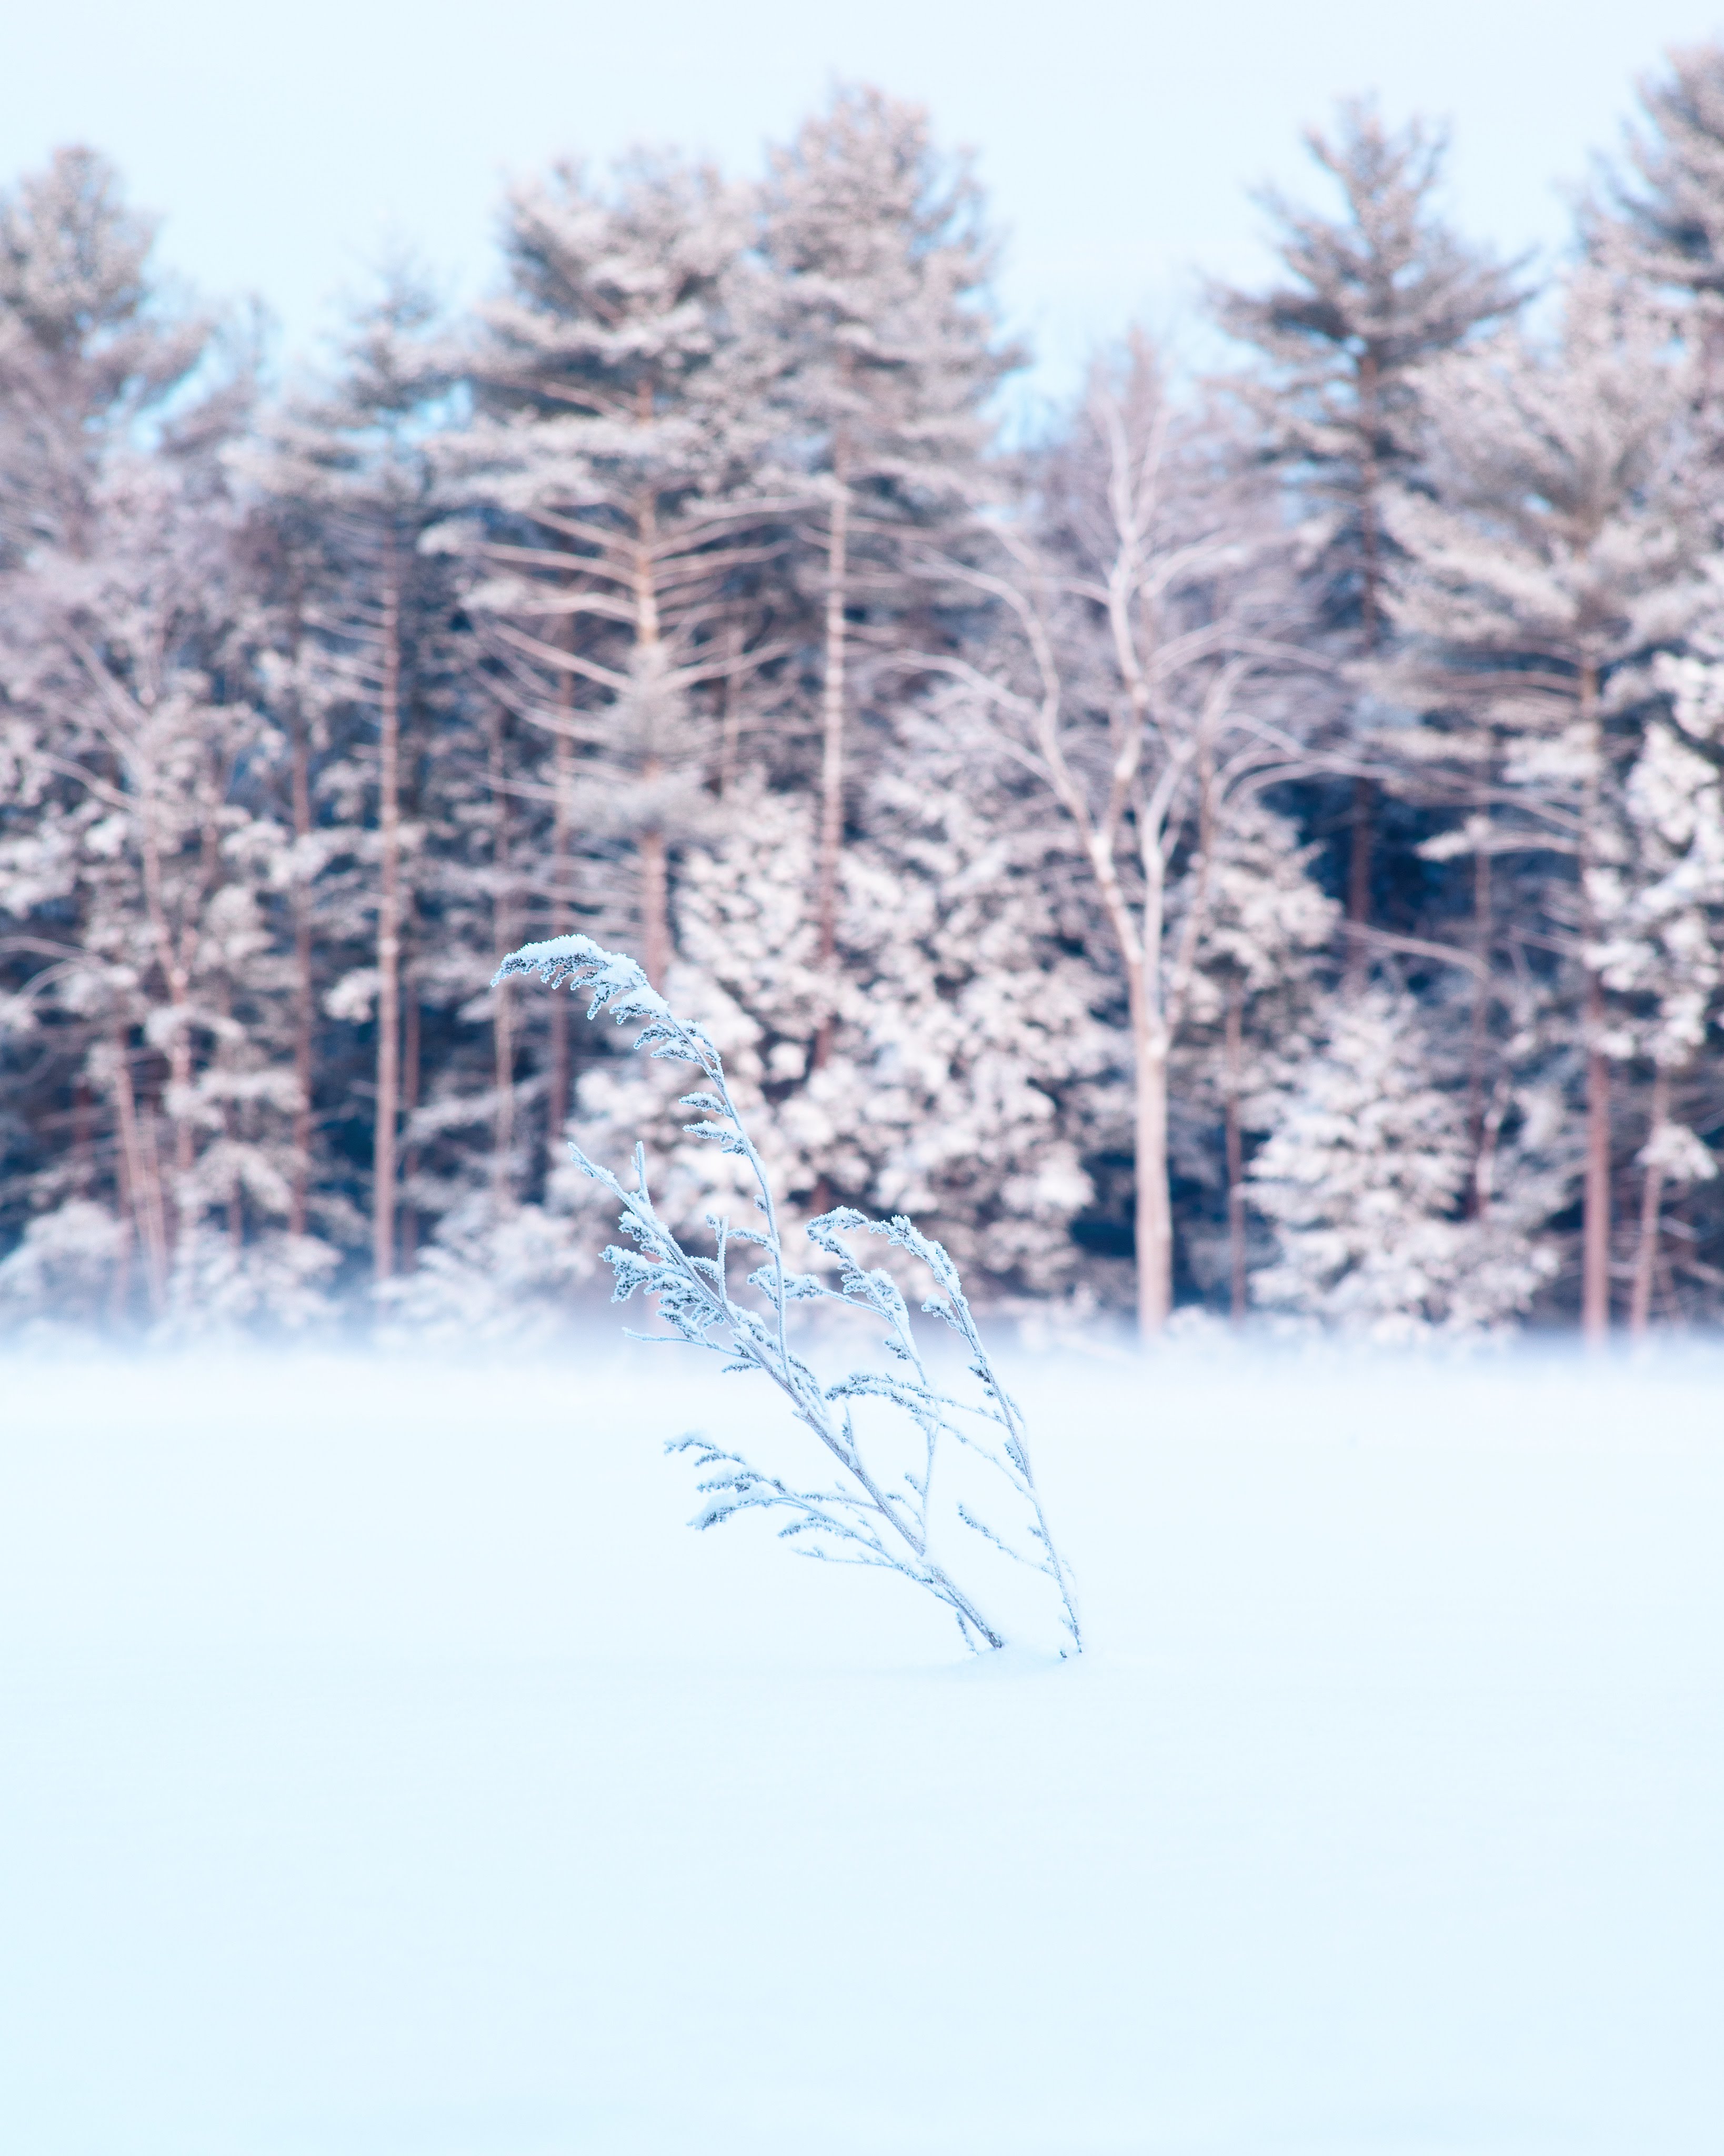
point(861, 1512)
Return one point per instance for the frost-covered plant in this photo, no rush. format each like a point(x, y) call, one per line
point(865, 1514)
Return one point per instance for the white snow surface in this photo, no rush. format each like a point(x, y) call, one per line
point(387, 1771)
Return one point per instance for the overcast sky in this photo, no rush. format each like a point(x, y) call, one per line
point(284, 147)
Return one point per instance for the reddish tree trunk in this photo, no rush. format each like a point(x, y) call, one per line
point(383, 1173)
point(408, 1212)
point(832, 743)
point(1651, 1207)
point(1595, 1230)
point(556, 1095)
point(1364, 802)
point(1595, 1223)
point(1235, 1161)
point(305, 995)
point(502, 1002)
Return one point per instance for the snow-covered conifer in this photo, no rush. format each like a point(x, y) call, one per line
point(139, 859)
point(1368, 297)
point(148, 874)
point(1551, 553)
point(891, 353)
point(1662, 221)
point(614, 514)
point(368, 646)
point(1362, 1179)
point(85, 349)
point(1658, 901)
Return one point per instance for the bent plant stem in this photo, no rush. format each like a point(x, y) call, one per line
point(638, 1204)
point(861, 1519)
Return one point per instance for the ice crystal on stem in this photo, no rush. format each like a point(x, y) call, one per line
point(867, 1514)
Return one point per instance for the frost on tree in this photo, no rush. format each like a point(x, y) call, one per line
point(1658, 901)
point(1548, 557)
point(139, 854)
point(1362, 1181)
point(910, 1510)
point(1142, 672)
point(962, 1043)
point(1365, 300)
point(610, 480)
point(890, 354)
point(987, 808)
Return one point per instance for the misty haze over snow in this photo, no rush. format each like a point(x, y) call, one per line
point(389, 1768)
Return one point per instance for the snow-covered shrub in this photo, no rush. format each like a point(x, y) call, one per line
point(876, 1511)
point(492, 1273)
point(1361, 1181)
point(277, 1281)
point(64, 1265)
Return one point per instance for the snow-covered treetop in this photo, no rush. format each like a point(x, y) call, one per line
point(74, 284)
point(355, 442)
point(1666, 222)
point(1388, 281)
point(883, 268)
point(1556, 521)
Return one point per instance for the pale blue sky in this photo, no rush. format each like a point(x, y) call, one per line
point(1118, 138)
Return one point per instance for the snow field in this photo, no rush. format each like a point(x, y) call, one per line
point(387, 1769)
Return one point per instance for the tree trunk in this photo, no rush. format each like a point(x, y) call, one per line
point(653, 852)
point(304, 993)
point(1235, 1159)
point(1595, 1230)
point(1595, 1227)
point(236, 1205)
point(832, 742)
point(141, 1181)
point(1364, 801)
point(655, 899)
point(383, 1173)
point(83, 1138)
point(179, 1081)
point(557, 1090)
point(1154, 1221)
point(1370, 543)
point(1358, 882)
point(1651, 1207)
point(158, 1209)
point(1478, 1201)
point(408, 1212)
point(171, 956)
point(502, 1002)
point(1152, 1212)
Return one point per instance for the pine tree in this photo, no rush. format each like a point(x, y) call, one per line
point(1370, 297)
point(1552, 558)
point(85, 349)
point(353, 462)
point(1659, 901)
point(153, 853)
point(138, 861)
point(1663, 221)
point(892, 354)
point(1254, 998)
point(619, 525)
point(1362, 1179)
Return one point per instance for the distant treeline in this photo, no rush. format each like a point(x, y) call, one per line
point(1258, 848)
